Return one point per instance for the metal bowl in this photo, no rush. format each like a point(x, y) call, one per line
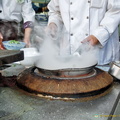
point(115, 69)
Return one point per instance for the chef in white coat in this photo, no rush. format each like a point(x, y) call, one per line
point(12, 12)
point(94, 21)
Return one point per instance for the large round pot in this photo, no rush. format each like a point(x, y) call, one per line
point(69, 71)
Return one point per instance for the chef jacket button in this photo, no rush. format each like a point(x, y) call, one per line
point(0, 11)
point(72, 18)
point(88, 1)
point(71, 3)
point(87, 17)
point(86, 34)
point(71, 34)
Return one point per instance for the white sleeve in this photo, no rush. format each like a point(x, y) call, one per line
point(109, 23)
point(28, 12)
point(54, 13)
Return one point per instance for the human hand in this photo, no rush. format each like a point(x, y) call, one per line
point(52, 30)
point(88, 44)
point(1, 45)
point(92, 40)
point(27, 36)
point(27, 41)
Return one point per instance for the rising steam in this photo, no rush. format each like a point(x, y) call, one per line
point(51, 59)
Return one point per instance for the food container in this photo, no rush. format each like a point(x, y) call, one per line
point(13, 45)
point(115, 69)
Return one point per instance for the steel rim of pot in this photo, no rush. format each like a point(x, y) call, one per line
point(69, 71)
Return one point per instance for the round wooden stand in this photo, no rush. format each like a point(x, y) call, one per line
point(70, 88)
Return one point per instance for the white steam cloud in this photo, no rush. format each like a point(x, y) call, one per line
point(50, 53)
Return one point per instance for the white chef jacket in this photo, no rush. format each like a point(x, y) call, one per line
point(82, 18)
point(13, 10)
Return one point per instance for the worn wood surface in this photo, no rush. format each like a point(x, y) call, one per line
point(36, 83)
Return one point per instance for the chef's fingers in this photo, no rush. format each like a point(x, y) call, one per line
point(52, 30)
point(91, 39)
point(27, 41)
point(86, 44)
point(28, 45)
point(1, 45)
point(1, 36)
point(85, 40)
point(48, 31)
point(53, 33)
point(52, 26)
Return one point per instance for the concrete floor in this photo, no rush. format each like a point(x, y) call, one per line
point(16, 104)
